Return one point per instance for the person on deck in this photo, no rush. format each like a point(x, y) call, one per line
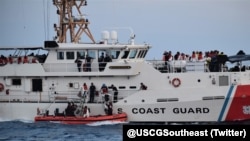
point(101, 62)
point(104, 89)
point(10, 59)
point(143, 86)
point(115, 93)
point(25, 59)
point(88, 62)
point(108, 108)
point(78, 63)
point(68, 110)
point(92, 91)
point(85, 90)
point(85, 111)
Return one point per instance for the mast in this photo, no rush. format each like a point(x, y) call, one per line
point(71, 21)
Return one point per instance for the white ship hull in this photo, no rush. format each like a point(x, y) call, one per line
point(178, 90)
point(192, 101)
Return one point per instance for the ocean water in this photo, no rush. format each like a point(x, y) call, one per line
point(99, 131)
point(41, 131)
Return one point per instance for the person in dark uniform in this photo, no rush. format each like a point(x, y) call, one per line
point(92, 90)
point(143, 86)
point(78, 63)
point(101, 62)
point(115, 93)
point(88, 63)
point(106, 60)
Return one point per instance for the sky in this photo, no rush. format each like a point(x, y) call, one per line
point(167, 25)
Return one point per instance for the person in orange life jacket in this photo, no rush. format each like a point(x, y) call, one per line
point(104, 89)
point(25, 59)
point(10, 59)
point(19, 59)
point(143, 87)
point(85, 89)
point(34, 60)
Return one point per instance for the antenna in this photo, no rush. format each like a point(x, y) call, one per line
point(68, 23)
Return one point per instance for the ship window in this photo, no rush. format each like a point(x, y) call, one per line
point(114, 54)
point(167, 99)
point(144, 53)
point(125, 54)
point(132, 87)
point(132, 54)
point(16, 82)
point(122, 87)
point(140, 53)
point(60, 55)
point(70, 55)
point(213, 97)
point(80, 54)
point(91, 53)
point(37, 85)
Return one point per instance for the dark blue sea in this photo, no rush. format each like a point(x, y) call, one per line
point(41, 131)
point(100, 131)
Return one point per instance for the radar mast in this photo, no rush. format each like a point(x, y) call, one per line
point(71, 21)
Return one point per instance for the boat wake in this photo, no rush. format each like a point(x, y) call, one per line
point(99, 123)
point(17, 120)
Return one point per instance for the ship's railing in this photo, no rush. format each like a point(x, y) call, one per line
point(195, 66)
point(63, 96)
point(178, 66)
point(72, 67)
point(45, 96)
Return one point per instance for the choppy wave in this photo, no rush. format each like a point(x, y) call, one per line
point(106, 123)
point(21, 120)
point(25, 130)
point(40, 131)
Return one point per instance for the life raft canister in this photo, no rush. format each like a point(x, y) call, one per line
point(1, 87)
point(176, 82)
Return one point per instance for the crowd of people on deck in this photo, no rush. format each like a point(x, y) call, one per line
point(85, 65)
point(195, 55)
point(19, 60)
point(213, 59)
point(90, 93)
